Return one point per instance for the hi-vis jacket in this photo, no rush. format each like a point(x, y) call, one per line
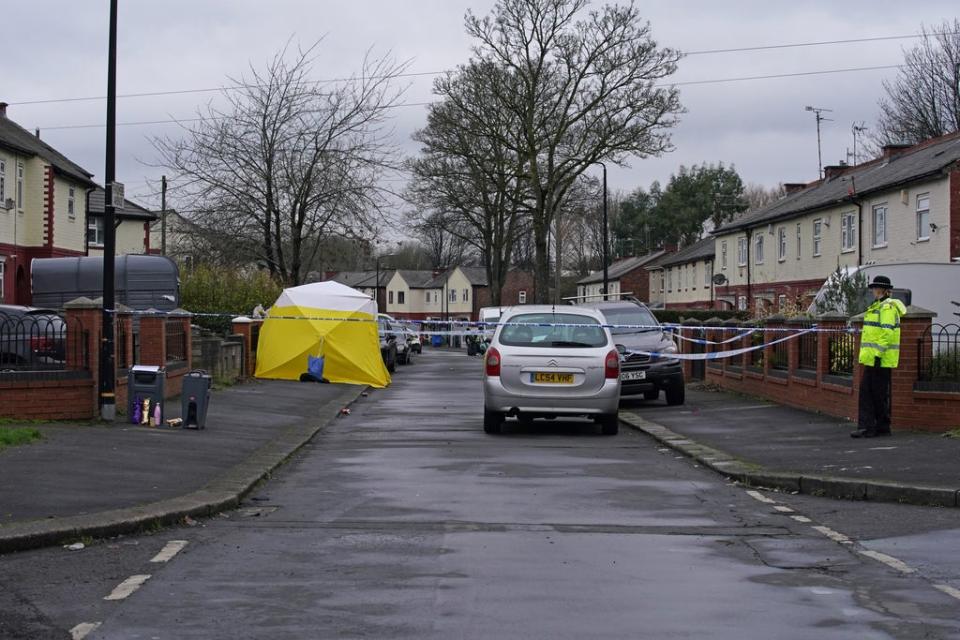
point(881, 333)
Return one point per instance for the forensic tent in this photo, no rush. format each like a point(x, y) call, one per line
point(325, 319)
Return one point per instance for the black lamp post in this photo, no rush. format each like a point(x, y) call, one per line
point(376, 285)
point(108, 405)
point(605, 257)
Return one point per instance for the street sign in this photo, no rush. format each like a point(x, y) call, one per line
point(116, 195)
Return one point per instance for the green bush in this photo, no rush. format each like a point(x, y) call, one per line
point(678, 315)
point(210, 289)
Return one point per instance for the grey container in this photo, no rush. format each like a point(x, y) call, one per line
point(140, 282)
point(195, 399)
point(145, 382)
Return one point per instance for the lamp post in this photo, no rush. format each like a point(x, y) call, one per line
point(108, 403)
point(603, 253)
point(376, 284)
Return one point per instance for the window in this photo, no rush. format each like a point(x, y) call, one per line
point(781, 302)
point(453, 295)
point(817, 236)
point(758, 249)
point(923, 217)
point(798, 240)
point(546, 336)
point(95, 231)
point(522, 297)
point(401, 296)
point(466, 295)
point(741, 303)
point(782, 244)
point(71, 200)
point(3, 182)
point(428, 297)
point(669, 279)
point(848, 232)
point(706, 273)
point(880, 226)
point(742, 252)
point(20, 186)
point(389, 297)
point(693, 275)
point(2, 272)
point(723, 255)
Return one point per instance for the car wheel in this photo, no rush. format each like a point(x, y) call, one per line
point(651, 395)
point(609, 424)
point(392, 361)
point(525, 421)
point(676, 395)
point(492, 421)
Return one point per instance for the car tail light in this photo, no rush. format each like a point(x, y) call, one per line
point(611, 365)
point(41, 343)
point(493, 362)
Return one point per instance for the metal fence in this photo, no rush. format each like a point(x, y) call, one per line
point(41, 342)
point(780, 352)
point(755, 357)
point(841, 347)
point(808, 348)
point(939, 357)
point(176, 341)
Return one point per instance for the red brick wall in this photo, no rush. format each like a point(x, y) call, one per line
point(794, 290)
point(637, 282)
point(48, 399)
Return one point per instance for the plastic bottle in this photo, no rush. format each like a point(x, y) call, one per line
point(157, 414)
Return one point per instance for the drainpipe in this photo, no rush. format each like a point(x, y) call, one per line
point(749, 292)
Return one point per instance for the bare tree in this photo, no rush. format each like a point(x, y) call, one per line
point(287, 162)
point(582, 86)
point(442, 248)
point(758, 196)
point(924, 100)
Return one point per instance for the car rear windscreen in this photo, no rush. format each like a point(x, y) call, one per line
point(639, 318)
point(553, 330)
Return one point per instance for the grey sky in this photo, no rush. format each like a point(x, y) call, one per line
point(59, 49)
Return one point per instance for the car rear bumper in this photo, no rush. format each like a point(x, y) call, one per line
point(657, 379)
point(497, 398)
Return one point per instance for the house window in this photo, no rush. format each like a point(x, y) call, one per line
point(71, 200)
point(923, 217)
point(723, 255)
point(95, 231)
point(758, 249)
point(782, 244)
point(3, 182)
point(428, 297)
point(706, 273)
point(782, 302)
point(741, 252)
point(693, 275)
point(848, 232)
point(522, 297)
point(389, 297)
point(817, 236)
point(3, 262)
point(880, 226)
point(20, 186)
point(453, 295)
point(669, 279)
point(798, 240)
point(741, 303)
point(466, 295)
point(401, 296)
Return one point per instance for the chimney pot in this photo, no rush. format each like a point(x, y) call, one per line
point(833, 170)
point(793, 187)
point(3, 109)
point(891, 150)
point(37, 132)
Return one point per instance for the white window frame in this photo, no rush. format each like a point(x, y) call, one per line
point(741, 303)
point(452, 297)
point(466, 295)
point(723, 255)
point(522, 296)
point(879, 226)
point(706, 274)
point(758, 248)
point(742, 252)
point(923, 217)
point(817, 237)
point(390, 297)
point(781, 244)
point(781, 302)
point(669, 279)
point(95, 224)
point(3, 273)
point(693, 276)
point(3, 182)
point(71, 202)
point(19, 187)
point(848, 232)
point(799, 239)
point(401, 297)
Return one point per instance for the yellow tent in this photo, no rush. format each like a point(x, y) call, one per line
point(328, 319)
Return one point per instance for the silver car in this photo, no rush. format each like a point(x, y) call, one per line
point(546, 361)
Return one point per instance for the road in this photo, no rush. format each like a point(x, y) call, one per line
point(404, 520)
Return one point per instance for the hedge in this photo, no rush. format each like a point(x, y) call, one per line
point(677, 316)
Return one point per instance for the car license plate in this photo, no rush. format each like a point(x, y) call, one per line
point(552, 378)
point(630, 376)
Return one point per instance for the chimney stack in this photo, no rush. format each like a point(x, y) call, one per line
point(833, 170)
point(3, 109)
point(38, 132)
point(793, 187)
point(892, 150)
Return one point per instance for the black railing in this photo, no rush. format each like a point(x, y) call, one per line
point(41, 342)
point(780, 352)
point(938, 359)
point(176, 341)
point(808, 350)
point(121, 343)
point(842, 356)
point(755, 357)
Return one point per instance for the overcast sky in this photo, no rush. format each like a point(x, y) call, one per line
point(57, 49)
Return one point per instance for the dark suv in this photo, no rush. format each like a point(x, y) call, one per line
point(642, 374)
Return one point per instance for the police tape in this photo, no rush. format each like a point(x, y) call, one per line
point(743, 335)
point(716, 355)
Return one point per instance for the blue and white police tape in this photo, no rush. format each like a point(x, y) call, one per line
point(716, 355)
point(743, 335)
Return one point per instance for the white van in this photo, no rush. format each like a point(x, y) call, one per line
point(934, 286)
point(492, 315)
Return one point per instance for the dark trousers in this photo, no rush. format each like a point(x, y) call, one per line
point(875, 399)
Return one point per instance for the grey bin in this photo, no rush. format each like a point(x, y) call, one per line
point(145, 382)
point(195, 398)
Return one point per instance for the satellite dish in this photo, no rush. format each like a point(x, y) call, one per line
point(719, 279)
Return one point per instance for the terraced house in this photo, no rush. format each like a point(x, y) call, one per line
point(901, 207)
point(684, 280)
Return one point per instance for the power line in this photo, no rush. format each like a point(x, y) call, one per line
point(153, 94)
point(421, 104)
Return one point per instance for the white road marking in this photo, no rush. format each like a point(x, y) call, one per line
point(783, 509)
point(947, 589)
point(833, 535)
point(801, 518)
point(890, 561)
point(756, 495)
point(171, 549)
point(127, 587)
point(81, 631)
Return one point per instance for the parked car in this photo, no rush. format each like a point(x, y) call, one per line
point(31, 337)
point(413, 339)
point(538, 368)
point(641, 374)
point(403, 351)
point(388, 342)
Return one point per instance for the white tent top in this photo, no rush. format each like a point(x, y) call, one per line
point(327, 295)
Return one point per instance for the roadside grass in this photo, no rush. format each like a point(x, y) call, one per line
point(955, 433)
point(14, 436)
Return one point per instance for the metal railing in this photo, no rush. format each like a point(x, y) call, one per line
point(779, 353)
point(938, 362)
point(808, 347)
point(41, 342)
point(755, 357)
point(841, 347)
point(176, 341)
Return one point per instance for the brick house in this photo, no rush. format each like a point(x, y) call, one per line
point(132, 226)
point(901, 207)
point(43, 204)
point(625, 276)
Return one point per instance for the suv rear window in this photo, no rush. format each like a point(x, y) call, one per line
point(632, 315)
point(524, 334)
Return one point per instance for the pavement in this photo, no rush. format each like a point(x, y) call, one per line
point(96, 480)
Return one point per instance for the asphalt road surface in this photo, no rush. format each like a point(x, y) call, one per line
point(404, 520)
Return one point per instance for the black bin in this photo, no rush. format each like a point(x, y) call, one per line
point(195, 398)
point(145, 382)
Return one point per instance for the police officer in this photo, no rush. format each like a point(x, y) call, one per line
point(879, 355)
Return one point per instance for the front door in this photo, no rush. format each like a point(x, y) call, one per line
point(21, 293)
